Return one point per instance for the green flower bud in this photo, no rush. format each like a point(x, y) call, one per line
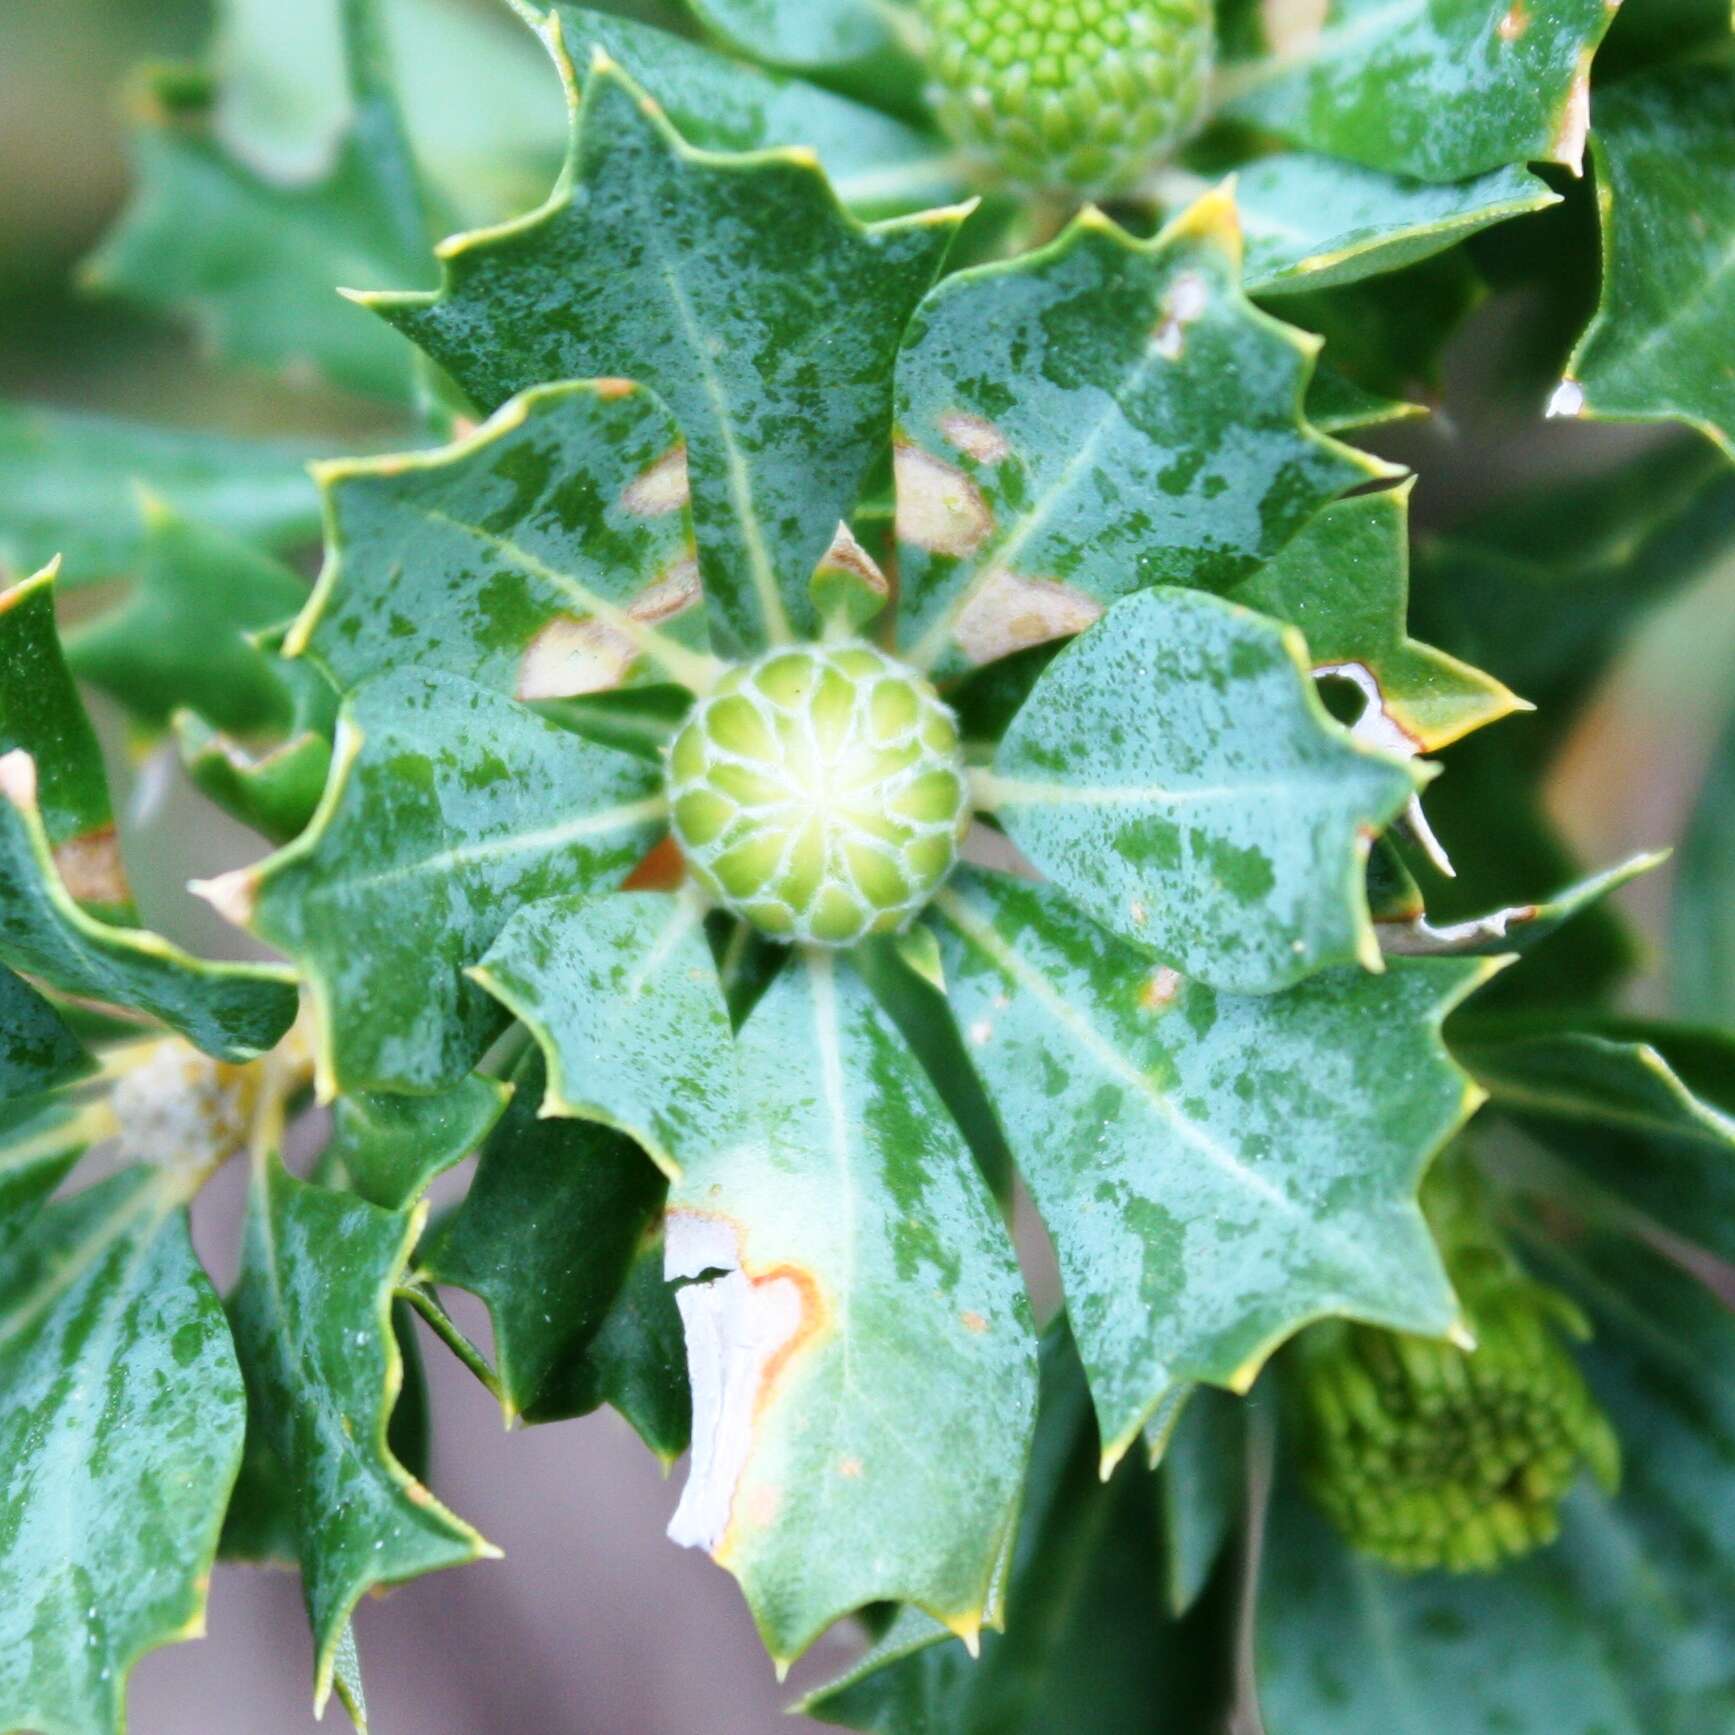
point(1085, 95)
point(1428, 1455)
point(820, 793)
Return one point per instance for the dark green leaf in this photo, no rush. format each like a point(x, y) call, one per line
point(312, 1320)
point(1202, 1486)
point(389, 1149)
point(40, 1140)
point(736, 288)
point(1215, 1171)
point(121, 1416)
point(37, 1051)
point(448, 807)
point(1175, 773)
point(1703, 926)
point(1091, 419)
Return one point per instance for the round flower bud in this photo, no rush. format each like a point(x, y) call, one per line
point(1079, 95)
point(1427, 1455)
point(820, 793)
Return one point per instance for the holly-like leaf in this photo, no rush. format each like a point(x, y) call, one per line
point(1215, 1170)
point(312, 1322)
point(121, 1415)
point(1664, 149)
point(1652, 1078)
point(447, 808)
point(256, 262)
point(181, 636)
point(1311, 221)
point(389, 1149)
point(1090, 419)
point(1083, 1647)
point(67, 488)
point(1175, 773)
point(37, 1050)
point(41, 1138)
point(43, 718)
point(560, 1235)
point(234, 1011)
point(622, 996)
point(874, 162)
point(740, 291)
point(549, 554)
point(1702, 927)
point(1438, 89)
point(817, 33)
point(274, 789)
point(1345, 582)
point(1622, 1625)
point(860, 1345)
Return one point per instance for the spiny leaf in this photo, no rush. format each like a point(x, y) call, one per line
point(42, 717)
point(181, 637)
point(560, 1235)
point(1314, 221)
point(257, 263)
point(622, 996)
point(736, 288)
point(234, 1011)
point(1345, 582)
point(274, 789)
point(448, 807)
point(389, 1149)
point(121, 1414)
point(1174, 772)
point(1093, 418)
point(37, 1050)
point(312, 1324)
point(549, 554)
point(858, 1337)
point(67, 488)
point(1215, 1171)
point(1664, 148)
point(1438, 89)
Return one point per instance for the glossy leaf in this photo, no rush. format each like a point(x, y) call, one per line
point(275, 790)
point(622, 996)
point(858, 1338)
point(390, 1149)
point(234, 1011)
point(1438, 89)
point(560, 1235)
point(41, 715)
point(41, 1138)
point(1314, 221)
point(803, 32)
point(1345, 582)
point(67, 488)
point(448, 807)
point(121, 1415)
point(1703, 925)
point(181, 637)
point(312, 1321)
point(1664, 148)
point(37, 1050)
point(1215, 1171)
point(257, 262)
point(1090, 419)
point(777, 368)
point(1174, 772)
point(549, 554)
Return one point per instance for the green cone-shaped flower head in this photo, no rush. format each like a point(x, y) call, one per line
point(1427, 1455)
point(1080, 95)
point(820, 793)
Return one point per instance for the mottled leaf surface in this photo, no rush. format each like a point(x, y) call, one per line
point(67, 488)
point(390, 1149)
point(547, 555)
point(859, 1342)
point(449, 806)
point(1438, 89)
point(622, 995)
point(561, 1236)
point(1664, 149)
point(121, 1414)
point(37, 1050)
point(740, 291)
point(1090, 419)
point(1174, 772)
point(312, 1322)
point(1215, 1170)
